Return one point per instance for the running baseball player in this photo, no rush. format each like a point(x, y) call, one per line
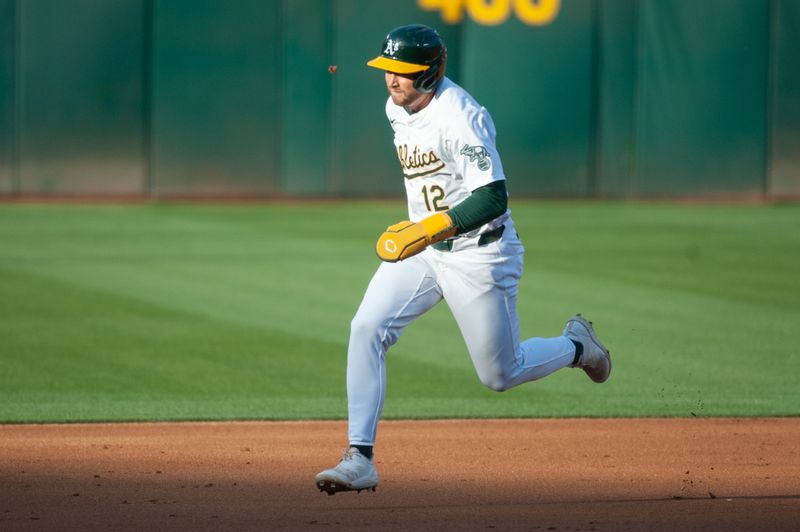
point(459, 244)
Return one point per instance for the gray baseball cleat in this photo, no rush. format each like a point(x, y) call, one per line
point(595, 360)
point(355, 472)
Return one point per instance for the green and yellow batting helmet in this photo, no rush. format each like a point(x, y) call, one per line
point(414, 49)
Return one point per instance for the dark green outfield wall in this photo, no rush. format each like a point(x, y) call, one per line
point(603, 98)
point(784, 108)
point(701, 96)
point(7, 82)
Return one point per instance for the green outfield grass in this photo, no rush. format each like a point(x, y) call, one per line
point(165, 312)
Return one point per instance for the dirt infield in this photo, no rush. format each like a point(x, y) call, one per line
point(579, 474)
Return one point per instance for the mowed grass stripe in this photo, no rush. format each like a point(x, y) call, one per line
point(242, 312)
point(72, 353)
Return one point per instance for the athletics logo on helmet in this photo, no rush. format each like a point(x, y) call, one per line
point(391, 47)
point(414, 49)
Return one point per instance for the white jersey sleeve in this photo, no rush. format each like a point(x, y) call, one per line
point(470, 146)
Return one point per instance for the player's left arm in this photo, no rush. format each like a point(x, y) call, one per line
point(474, 155)
point(406, 239)
point(482, 206)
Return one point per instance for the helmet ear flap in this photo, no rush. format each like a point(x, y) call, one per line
point(428, 80)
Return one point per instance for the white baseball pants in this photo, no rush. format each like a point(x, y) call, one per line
point(480, 286)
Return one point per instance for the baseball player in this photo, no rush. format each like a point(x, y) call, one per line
point(458, 244)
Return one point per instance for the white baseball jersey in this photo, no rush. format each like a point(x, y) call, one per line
point(446, 150)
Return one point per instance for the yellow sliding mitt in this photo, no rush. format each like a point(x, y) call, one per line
point(406, 239)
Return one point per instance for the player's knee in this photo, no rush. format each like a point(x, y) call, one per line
point(360, 324)
point(496, 381)
point(363, 326)
point(369, 328)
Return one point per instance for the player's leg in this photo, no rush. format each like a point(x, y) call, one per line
point(481, 288)
point(397, 294)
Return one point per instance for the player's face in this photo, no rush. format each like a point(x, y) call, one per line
point(402, 91)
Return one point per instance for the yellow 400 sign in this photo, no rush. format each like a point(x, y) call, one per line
point(493, 12)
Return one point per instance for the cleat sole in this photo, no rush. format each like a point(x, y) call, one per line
point(332, 488)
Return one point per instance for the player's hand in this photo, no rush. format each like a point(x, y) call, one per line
point(406, 239)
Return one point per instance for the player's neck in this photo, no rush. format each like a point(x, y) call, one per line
point(419, 104)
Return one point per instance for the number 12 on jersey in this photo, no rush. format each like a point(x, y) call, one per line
point(434, 194)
